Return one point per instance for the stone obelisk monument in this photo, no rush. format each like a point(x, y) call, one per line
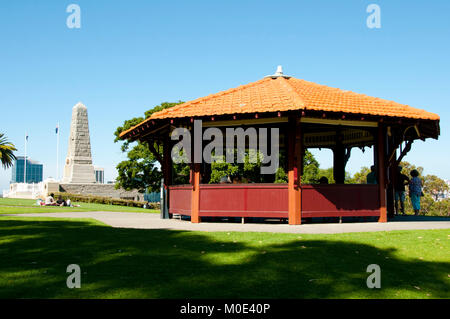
point(78, 168)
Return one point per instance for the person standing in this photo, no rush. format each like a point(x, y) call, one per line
point(400, 182)
point(415, 191)
point(371, 178)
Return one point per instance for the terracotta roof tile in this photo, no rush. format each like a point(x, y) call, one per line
point(273, 94)
point(285, 94)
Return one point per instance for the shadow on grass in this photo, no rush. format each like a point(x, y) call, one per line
point(132, 263)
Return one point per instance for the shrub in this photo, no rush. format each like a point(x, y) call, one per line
point(104, 200)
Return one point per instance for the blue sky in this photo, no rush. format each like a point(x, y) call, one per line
point(131, 55)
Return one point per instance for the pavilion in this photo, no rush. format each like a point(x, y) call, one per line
point(308, 115)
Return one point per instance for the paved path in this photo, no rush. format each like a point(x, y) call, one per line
point(152, 221)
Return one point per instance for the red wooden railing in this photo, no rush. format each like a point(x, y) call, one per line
point(271, 200)
point(180, 199)
point(244, 200)
point(340, 200)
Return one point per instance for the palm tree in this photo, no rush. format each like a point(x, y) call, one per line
point(6, 152)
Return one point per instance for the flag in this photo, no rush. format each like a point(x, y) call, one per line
point(57, 128)
point(26, 136)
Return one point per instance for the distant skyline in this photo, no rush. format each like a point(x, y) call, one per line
point(128, 57)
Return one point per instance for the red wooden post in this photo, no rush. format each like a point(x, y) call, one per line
point(382, 173)
point(294, 171)
point(195, 183)
point(195, 202)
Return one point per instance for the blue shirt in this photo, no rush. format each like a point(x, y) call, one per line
point(415, 186)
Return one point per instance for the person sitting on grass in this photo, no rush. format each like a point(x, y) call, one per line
point(146, 205)
point(50, 201)
point(61, 201)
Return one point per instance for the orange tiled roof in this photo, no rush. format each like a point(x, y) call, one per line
point(286, 94)
point(280, 93)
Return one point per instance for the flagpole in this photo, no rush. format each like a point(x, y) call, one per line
point(25, 166)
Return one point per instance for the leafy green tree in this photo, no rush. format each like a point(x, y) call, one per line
point(249, 171)
point(408, 167)
point(221, 169)
point(361, 176)
point(442, 208)
point(6, 152)
point(136, 120)
point(140, 170)
point(328, 173)
point(434, 186)
point(431, 184)
point(280, 176)
point(310, 169)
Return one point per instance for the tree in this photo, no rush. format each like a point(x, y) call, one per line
point(280, 176)
point(249, 171)
point(328, 173)
point(310, 169)
point(434, 186)
point(6, 152)
point(140, 171)
point(361, 176)
point(407, 168)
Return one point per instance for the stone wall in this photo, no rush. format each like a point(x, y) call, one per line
point(103, 190)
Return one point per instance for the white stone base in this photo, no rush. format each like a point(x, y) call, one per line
point(79, 174)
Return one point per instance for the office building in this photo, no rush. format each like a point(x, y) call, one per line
point(99, 175)
point(34, 171)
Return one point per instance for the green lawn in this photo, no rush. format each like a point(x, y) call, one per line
point(21, 206)
point(133, 263)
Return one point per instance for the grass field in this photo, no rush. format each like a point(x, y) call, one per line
point(21, 206)
point(132, 263)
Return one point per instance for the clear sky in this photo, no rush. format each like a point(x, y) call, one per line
point(129, 56)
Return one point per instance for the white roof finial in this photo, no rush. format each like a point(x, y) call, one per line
point(278, 73)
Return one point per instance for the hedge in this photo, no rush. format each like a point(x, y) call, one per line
point(103, 200)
